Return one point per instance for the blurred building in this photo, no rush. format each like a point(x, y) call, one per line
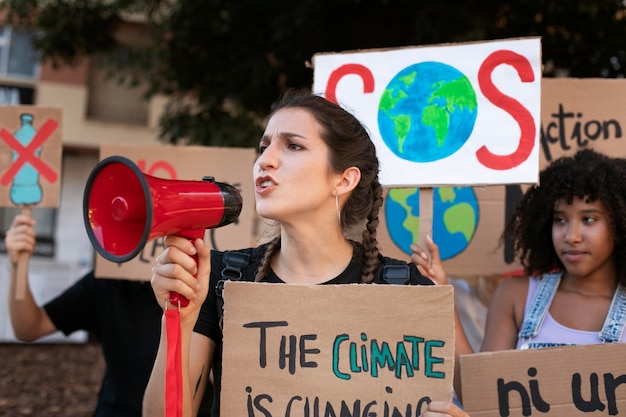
point(96, 110)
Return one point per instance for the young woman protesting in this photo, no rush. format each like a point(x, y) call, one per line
point(570, 235)
point(316, 176)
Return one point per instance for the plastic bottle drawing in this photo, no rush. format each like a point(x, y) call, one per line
point(25, 189)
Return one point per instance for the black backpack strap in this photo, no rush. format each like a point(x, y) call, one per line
point(234, 263)
point(393, 271)
point(396, 274)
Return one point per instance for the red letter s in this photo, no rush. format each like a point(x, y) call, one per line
point(511, 106)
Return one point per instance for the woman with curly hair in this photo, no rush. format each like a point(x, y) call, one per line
point(569, 233)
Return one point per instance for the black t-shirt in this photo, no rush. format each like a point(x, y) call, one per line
point(208, 323)
point(126, 319)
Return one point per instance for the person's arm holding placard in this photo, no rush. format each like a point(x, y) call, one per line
point(29, 320)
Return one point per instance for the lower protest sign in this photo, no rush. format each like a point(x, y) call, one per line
point(336, 350)
point(559, 382)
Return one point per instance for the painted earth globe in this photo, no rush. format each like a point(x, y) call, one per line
point(427, 112)
point(455, 218)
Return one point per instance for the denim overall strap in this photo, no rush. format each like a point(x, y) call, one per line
point(538, 308)
point(616, 318)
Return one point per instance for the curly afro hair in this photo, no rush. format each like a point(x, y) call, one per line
point(589, 175)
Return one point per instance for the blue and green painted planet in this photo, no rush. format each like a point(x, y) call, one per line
point(455, 218)
point(426, 113)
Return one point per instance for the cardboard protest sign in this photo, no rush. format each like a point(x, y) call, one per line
point(559, 382)
point(227, 165)
point(357, 350)
point(455, 114)
point(579, 113)
point(30, 165)
point(30, 156)
point(467, 221)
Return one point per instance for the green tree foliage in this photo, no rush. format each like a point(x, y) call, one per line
point(235, 57)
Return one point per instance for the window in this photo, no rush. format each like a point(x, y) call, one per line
point(15, 95)
point(17, 57)
point(110, 100)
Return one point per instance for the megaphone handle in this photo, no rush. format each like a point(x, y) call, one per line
point(175, 298)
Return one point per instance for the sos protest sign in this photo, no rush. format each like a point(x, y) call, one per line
point(445, 114)
point(559, 382)
point(323, 350)
point(228, 165)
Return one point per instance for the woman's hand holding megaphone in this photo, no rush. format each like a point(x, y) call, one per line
point(176, 271)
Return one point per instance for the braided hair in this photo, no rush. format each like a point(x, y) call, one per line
point(589, 175)
point(350, 145)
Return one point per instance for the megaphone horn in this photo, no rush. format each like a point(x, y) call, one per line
point(124, 208)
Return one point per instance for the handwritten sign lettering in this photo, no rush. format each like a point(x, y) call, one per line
point(572, 131)
point(562, 382)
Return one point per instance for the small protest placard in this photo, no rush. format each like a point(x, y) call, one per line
point(30, 156)
point(559, 382)
point(30, 165)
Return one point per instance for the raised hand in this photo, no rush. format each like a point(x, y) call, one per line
point(20, 237)
point(428, 261)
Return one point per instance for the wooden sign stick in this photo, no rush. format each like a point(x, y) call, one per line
point(21, 272)
point(426, 218)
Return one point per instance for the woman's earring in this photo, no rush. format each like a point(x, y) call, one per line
point(337, 207)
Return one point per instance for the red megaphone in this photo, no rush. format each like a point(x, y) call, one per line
point(124, 208)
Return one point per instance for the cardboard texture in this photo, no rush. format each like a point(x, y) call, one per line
point(575, 114)
point(556, 382)
point(228, 165)
point(30, 156)
point(329, 349)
